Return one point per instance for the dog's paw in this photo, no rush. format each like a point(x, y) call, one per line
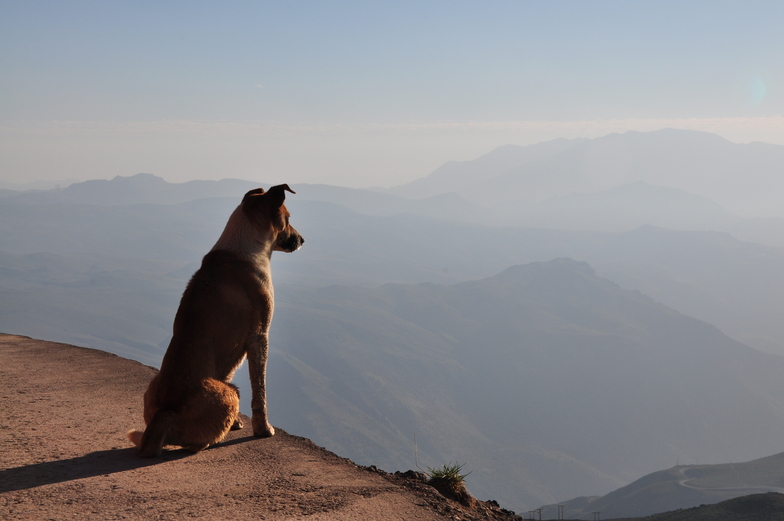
point(135, 437)
point(196, 447)
point(237, 425)
point(263, 430)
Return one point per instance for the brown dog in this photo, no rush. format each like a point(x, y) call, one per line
point(224, 316)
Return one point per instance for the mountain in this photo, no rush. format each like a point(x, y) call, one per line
point(735, 285)
point(754, 507)
point(685, 487)
point(620, 208)
point(180, 232)
point(465, 176)
point(120, 306)
point(446, 206)
point(702, 274)
point(625, 208)
point(542, 379)
point(137, 189)
point(744, 178)
point(147, 189)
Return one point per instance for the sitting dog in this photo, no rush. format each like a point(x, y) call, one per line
point(224, 316)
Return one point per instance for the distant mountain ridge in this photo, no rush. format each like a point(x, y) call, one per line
point(462, 176)
point(137, 189)
point(671, 178)
point(743, 178)
point(146, 189)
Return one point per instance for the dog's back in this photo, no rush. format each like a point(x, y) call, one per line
point(225, 301)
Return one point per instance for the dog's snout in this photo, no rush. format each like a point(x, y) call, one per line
point(294, 242)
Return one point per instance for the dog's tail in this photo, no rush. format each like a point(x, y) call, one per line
point(152, 440)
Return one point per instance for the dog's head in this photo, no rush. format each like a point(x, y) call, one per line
point(267, 209)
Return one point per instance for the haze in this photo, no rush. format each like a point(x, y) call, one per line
point(362, 94)
point(546, 237)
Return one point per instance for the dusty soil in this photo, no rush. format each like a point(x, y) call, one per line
point(64, 454)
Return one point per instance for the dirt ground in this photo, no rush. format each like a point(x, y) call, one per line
point(64, 415)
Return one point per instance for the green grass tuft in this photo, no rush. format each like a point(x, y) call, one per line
point(449, 474)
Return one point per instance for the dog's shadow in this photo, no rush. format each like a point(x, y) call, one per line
point(93, 464)
point(97, 463)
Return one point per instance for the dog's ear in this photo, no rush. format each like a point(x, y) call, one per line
point(255, 191)
point(277, 194)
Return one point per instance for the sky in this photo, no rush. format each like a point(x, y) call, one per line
point(366, 93)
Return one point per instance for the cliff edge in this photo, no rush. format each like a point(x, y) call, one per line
point(64, 415)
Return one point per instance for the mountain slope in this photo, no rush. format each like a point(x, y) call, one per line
point(625, 384)
point(625, 208)
point(682, 487)
point(754, 507)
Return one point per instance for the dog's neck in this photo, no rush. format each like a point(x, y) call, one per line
point(243, 238)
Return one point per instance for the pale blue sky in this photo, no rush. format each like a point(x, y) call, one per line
point(365, 93)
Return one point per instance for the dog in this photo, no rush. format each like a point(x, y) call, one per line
point(224, 317)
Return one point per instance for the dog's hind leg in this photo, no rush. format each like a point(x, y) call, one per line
point(154, 437)
point(208, 415)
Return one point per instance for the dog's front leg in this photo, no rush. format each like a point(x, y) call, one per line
point(257, 367)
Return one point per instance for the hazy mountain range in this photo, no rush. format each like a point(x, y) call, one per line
point(746, 179)
point(704, 274)
point(429, 309)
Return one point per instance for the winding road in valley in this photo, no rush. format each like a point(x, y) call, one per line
point(684, 480)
